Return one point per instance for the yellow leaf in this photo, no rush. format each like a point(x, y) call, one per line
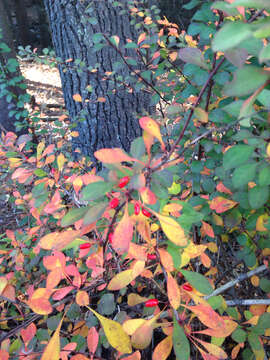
point(173, 292)
point(172, 230)
point(52, 350)
point(60, 161)
point(130, 326)
point(152, 128)
point(125, 277)
point(163, 349)
point(40, 148)
point(261, 221)
point(115, 334)
point(101, 99)
point(3, 284)
point(77, 97)
point(82, 298)
point(268, 150)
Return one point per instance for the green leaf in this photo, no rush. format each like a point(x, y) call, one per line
point(264, 320)
point(237, 155)
point(180, 342)
point(263, 31)
point(40, 173)
point(245, 81)
point(106, 304)
point(231, 35)
point(193, 56)
point(264, 176)
point(265, 284)
point(243, 175)
point(94, 213)
point(258, 196)
point(264, 54)
point(198, 281)
point(256, 4)
point(73, 215)
point(239, 335)
point(223, 6)
point(96, 190)
point(137, 149)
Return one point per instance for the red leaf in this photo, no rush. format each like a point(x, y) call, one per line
point(221, 204)
point(207, 229)
point(92, 340)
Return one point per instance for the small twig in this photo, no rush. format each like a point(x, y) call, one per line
point(236, 281)
point(248, 302)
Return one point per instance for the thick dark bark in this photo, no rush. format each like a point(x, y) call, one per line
point(7, 121)
point(113, 123)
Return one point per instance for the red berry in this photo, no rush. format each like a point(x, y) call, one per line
point(137, 208)
point(123, 182)
point(66, 177)
point(114, 203)
point(146, 213)
point(85, 246)
point(110, 237)
point(151, 256)
point(34, 239)
point(151, 303)
point(187, 287)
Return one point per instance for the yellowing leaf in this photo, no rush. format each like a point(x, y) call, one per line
point(207, 229)
point(152, 127)
point(101, 99)
point(172, 207)
point(173, 289)
point(201, 114)
point(58, 240)
point(221, 204)
point(172, 230)
point(77, 97)
point(166, 260)
point(115, 334)
point(82, 298)
point(3, 284)
point(60, 161)
point(122, 235)
point(261, 221)
point(52, 350)
point(207, 316)
point(142, 337)
point(163, 349)
point(130, 326)
point(111, 156)
point(141, 38)
point(148, 142)
point(213, 349)
point(148, 197)
point(135, 299)
point(125, 277)
point(40, 148)
point(39, 302)
point(268, 150)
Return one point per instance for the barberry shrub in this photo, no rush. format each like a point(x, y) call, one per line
point(135, 261)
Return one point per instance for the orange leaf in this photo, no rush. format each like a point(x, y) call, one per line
point(229, 327)
point(213, 349)
point(110, 156)
point(173, 292)
point(147, 195)
point(101, 99)
point(207, 316)
point(134, 356)
point(221, 204)
point(58, 240)
point(92, 340)
point(222, 188)
point(163, 349)
point(207, 229)
point(4, 355)
point(141, 38)
point(122, 235)
point(166, 260)
point(82, 298)
point(52, 350)
point(77, 97)
point(39, 302)
point(152, 127)
point(28, 333)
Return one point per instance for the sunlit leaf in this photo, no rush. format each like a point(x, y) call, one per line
point(163, 349)
point(130, 326)
point(39, 301)
point(111, 156)
point(173, 292)
point(52, 350)
point(221, 204)
point(172, 230)
point(152, 127)
point(125, 277)
point(115, 334)
point(122, 235)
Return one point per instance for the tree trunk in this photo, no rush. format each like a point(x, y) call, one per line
point(113, 123)
point(9, 94)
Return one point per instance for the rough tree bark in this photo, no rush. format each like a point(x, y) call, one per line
point(7, 121)
point(112, 123)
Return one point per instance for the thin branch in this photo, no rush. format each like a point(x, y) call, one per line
point(236, 281)
point(248, 302)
